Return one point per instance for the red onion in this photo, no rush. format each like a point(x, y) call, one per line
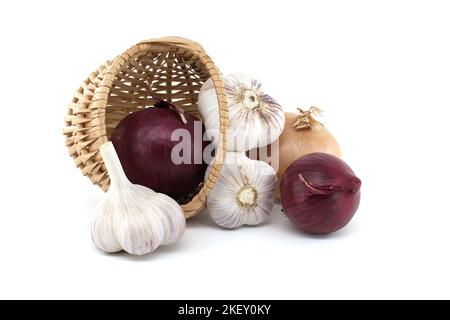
point(143, 143)
point(320, 193)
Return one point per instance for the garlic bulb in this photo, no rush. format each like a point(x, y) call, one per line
point(131, 217)
point(244, 193)
point(255, 119)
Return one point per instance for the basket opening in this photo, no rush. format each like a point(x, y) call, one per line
point(174, 77)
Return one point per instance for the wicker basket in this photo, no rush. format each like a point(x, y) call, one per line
point(177, 68)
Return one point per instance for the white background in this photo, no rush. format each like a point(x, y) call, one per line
point(381, 71)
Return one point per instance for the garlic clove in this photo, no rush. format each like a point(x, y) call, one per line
point(102, 228)
point(135, 222)
point(170, 216)
point(244, 193)
point(175, 217)
point(138, 235)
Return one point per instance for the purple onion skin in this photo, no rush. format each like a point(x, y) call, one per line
point(320, 193)
point(143, 143)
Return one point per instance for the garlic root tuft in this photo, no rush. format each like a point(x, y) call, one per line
point(255, 118)
point(244, 193)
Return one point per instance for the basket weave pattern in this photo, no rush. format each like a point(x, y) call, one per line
point(176, 67)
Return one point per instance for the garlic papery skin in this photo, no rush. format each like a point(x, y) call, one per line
point(131, 217)
point(255, 118)
point(244, 193)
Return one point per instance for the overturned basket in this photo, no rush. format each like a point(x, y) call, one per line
point(177, 68)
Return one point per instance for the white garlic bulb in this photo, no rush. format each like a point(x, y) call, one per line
point(255, 118)
point(244, 193)
point(131, 217)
